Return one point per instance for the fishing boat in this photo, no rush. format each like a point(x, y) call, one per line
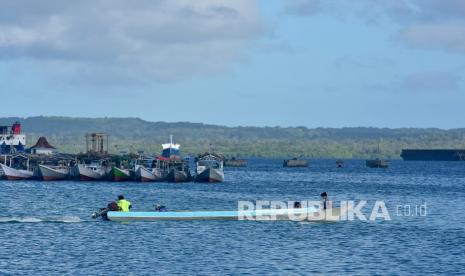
point(119, 174)
point(16, 174)
point(209, 168)
point(178, 168)
point(17, 167)
point(233, 162)
point(49, 173)
point(178, 171)
point(91, 172)
point(377, 163)
point(152, 169)
point(298, 214)
point(295, 163)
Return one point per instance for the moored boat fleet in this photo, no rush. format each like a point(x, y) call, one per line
point(41, 162)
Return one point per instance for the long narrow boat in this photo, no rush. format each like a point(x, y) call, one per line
point(49, 173)
point(16, 174)
point(298, 214)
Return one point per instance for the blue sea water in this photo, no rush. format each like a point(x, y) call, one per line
point(45, 227)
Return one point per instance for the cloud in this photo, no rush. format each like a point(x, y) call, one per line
point(448, 36)
point(302, 7)
point(430, 82)
point(156, 39)
point(425, 24)
point(421, 82)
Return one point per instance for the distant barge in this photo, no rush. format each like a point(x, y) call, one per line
point(433, 154)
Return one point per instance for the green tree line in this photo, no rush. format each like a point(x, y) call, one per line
point(133, 134)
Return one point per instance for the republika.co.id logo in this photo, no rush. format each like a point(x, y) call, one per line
point(348, 210)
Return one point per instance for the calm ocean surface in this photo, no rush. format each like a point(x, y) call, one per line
point(46, 227)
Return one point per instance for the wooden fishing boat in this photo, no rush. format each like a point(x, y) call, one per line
point(178, 175)
point(233, 162)
point(16, 174)
point(117, 174)
point(49, 173)
point(209, 168)
point(295, 163)
point(377, 163)
point(298, 214)
point(90, 172)
point(150, 169)
point(177, 168)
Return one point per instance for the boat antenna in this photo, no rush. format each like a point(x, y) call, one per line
point(171, 139)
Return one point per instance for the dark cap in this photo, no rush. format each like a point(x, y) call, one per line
point(120, 197)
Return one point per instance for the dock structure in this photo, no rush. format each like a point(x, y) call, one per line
point(97, 143)
point(295, 163)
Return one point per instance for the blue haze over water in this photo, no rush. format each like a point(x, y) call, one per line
point(46, 226)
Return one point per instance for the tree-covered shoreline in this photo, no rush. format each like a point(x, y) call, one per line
point(133, 134)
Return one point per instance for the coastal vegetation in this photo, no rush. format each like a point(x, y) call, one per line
point(133, 135)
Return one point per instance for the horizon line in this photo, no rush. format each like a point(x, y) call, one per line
point(221, 125)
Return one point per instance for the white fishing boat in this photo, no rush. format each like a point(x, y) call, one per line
point(143, 174)
point(209, 168)
point(150, 169)
point(90, 172)
point(49, 173)
point(16, 174)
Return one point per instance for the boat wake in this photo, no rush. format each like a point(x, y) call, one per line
point(63, 219)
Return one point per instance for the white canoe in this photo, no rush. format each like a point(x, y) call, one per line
point(15, 174)
point(300, 214)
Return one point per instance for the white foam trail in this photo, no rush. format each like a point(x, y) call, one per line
point(65, 219)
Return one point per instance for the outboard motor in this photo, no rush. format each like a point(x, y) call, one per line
point(112, 206)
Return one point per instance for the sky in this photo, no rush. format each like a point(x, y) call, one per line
point(312, 63)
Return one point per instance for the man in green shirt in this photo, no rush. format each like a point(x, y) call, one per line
point(123, 204)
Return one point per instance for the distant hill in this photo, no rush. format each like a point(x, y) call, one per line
point(133, 134)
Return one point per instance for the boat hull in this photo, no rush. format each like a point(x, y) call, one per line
point(305, 214)
point(377, 163)
point(86, 174)
point(210, 175)
point(178, 176)
point(295, 163)
point(143, 174)
point(15, 174)
point(49, 173)
point(119, 175)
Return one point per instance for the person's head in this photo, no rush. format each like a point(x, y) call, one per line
point(120, 197)
point(324, 195)
point(297, 204)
